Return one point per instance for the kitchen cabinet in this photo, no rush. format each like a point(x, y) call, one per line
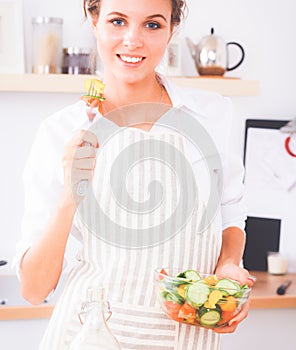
point(63, 83)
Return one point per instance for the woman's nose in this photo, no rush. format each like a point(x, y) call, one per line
point(132, 39)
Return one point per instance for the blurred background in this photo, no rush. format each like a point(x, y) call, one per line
point(266, 29)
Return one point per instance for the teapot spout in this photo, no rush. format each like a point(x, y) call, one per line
point(191, 46)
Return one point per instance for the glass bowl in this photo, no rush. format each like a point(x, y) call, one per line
point(198, 299)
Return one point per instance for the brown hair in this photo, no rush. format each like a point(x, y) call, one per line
point(178, 7)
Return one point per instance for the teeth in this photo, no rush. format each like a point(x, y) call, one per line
point(129, 59)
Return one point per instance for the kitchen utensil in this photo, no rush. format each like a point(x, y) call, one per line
point(93, 100)
point(211, 55)
point(283, 287)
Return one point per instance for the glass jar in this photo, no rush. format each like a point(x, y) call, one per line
point(77, 61)
point(95, 333)
point(47, 45)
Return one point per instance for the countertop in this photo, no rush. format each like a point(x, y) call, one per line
point(263, 296)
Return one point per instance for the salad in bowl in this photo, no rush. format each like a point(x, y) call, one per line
point(199, 299)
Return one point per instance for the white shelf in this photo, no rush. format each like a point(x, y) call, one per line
point(224, 86)
point(64, 83)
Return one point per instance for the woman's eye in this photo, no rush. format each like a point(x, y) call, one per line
point(117, 22)
point(152, 25)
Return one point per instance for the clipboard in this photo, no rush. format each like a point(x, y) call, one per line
point(263, 229)
point(261, 124)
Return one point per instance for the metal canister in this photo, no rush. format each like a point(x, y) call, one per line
point(77, 61)
point(47, 45)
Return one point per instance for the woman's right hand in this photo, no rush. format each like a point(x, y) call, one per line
point(79, 162)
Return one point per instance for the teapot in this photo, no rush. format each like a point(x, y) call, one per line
point(211, 55)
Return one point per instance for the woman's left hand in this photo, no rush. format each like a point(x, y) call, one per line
point(237, 273)
point(234, 272)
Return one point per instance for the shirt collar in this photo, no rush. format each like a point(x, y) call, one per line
point(182, 98)
point(172, 91)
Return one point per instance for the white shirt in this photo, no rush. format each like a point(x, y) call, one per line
point(43, 174)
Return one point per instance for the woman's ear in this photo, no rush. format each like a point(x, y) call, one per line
point(171, 34)
point(93, 22)
point(94, 28)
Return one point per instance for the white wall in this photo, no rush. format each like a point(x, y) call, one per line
point(266, 29)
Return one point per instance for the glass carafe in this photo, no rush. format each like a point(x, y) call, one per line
point(95, 333)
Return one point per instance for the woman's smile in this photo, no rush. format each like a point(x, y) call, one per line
point(132, 61)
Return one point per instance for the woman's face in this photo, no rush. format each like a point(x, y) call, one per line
point(132, 36)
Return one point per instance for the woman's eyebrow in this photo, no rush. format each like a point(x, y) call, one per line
point(157, 15)
point(115, 13)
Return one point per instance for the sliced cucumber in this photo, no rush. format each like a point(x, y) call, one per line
point(242, 292)
point(171, 296)
point(197, 294)
point(192, 275)
point(181, 275)
point(209, 317)
point(224, 292)
point(163, 294)
point(228, 286)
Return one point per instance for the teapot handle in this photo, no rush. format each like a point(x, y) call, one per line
point(242, 58)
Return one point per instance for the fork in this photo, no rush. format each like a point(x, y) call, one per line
point(93, 100)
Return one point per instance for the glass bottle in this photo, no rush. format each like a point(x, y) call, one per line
point(47, 45)
point(95, 333)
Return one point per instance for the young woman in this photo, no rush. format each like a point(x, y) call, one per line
point(132, 37)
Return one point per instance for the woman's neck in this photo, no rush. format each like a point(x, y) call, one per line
point(119, 94)
point(139, 104)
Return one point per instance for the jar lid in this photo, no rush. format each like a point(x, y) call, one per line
point(95, 293)
point(45, 20)
point(76, 51)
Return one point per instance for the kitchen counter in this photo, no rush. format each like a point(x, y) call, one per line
point(25, 312)
point(263, 296)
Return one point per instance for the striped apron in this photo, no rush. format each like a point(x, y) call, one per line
point(127, 274)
